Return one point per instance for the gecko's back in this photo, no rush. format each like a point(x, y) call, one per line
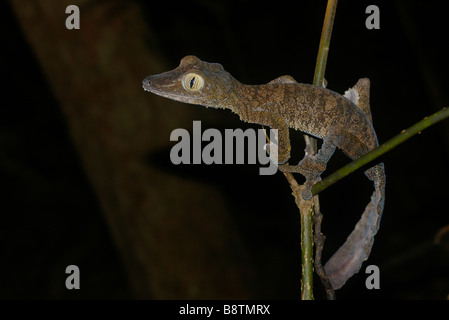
point(316, 111)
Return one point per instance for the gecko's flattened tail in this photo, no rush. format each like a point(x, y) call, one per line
point(348, 259)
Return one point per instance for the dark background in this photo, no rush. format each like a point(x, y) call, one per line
point(50, 216)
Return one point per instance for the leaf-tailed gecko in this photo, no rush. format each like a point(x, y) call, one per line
point(341, 121)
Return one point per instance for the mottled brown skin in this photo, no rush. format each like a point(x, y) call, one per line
point(281, 104)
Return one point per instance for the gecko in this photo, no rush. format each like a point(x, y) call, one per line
point(341, 121)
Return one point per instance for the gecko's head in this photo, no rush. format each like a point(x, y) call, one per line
point(193, 81)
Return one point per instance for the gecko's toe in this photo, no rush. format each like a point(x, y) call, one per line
point(307, 190)
point(307, 194)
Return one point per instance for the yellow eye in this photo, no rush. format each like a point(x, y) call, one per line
point(193, 82)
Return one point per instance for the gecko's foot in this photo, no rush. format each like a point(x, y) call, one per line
point(311, 179)
point(306, 192)
point(309, 167)
point(312, 164)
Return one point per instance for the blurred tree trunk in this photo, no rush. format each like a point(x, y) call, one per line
point(172, 233)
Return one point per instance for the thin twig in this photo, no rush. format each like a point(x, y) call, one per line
point(325, 40)
point(319, 239)
point(318, 80)
point(306, 214)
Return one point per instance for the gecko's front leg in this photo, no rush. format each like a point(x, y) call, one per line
point(278, 150)
point(311, 166)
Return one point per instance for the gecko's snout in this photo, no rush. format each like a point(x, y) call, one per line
point(146, 84)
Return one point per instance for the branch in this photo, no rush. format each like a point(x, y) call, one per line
point(308, 208)
point(325, 40)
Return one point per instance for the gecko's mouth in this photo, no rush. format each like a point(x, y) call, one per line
point(153, 87)
point(166, 90)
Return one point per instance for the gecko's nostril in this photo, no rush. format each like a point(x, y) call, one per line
point(146, 83)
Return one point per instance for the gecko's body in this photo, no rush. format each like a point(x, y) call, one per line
point(341, 121)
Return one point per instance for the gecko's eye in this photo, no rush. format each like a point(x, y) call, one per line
point(192, 82)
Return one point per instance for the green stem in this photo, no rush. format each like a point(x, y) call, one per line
point(323, 50)
point(307, 211)
point(325, 40)
point(375, 153)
